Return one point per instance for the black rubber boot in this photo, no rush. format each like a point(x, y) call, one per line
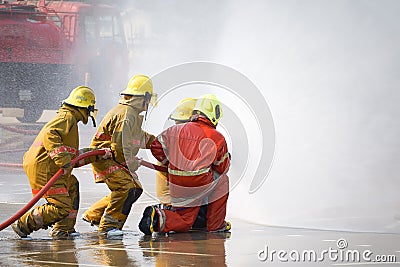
point(149, 222)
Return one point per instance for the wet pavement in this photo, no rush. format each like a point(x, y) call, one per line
point(248, 244)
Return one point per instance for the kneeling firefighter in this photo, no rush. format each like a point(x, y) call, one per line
point(181, 114)
point(54, 148)
point(198, 161)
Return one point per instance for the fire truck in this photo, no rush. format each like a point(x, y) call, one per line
point(49, 47)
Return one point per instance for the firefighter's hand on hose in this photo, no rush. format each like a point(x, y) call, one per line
point(67, 168)
point(134, 164)
point(139, 160)
point(108, 154)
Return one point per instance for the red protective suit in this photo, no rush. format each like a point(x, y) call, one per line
point(198, 160)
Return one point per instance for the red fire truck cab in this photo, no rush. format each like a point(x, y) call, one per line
point(48, 48)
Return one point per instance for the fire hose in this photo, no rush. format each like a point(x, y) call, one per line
point(11, 165)
point(21, 131)
point(56, 176)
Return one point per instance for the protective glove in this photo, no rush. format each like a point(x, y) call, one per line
point(67, 168)
point(108, 154)
point(133, 164)
point(139, 160)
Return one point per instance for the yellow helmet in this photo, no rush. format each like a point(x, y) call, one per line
point(183, 110)
point(141, 85)
point(82, 97)
point(210, 106)
point(138, 85)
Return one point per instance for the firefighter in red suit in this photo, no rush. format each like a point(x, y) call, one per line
point(197, 158)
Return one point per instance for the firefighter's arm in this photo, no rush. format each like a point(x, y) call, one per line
point(148, 139)
point(53, 142)
point(223, 158)
point(157, 149)
point(131, 142)
point(108, 154)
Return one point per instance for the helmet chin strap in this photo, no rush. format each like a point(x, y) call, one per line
point(146, 103)
point(90, 112)
point(145, 114)
point(93, 121)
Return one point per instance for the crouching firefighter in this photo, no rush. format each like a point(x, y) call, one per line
point(198, 161)
point(181, 114)
point(54, 148)
point(121, 131)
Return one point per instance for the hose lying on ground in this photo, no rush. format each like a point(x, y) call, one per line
point(17, 130)
point(11, 165)
point(55, 177)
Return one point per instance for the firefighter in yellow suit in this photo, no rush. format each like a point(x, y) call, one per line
point(181, 114)
point(54, 148)
point(121, 131)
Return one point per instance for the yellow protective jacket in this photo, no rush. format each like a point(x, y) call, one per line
point(121, 130)
point(56, 145)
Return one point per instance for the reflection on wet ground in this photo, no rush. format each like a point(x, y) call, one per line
point(133, 249)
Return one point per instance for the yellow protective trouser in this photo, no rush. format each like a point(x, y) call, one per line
point(162, 188)
point(112, 210)
point(60, 210)
point(96, 211)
